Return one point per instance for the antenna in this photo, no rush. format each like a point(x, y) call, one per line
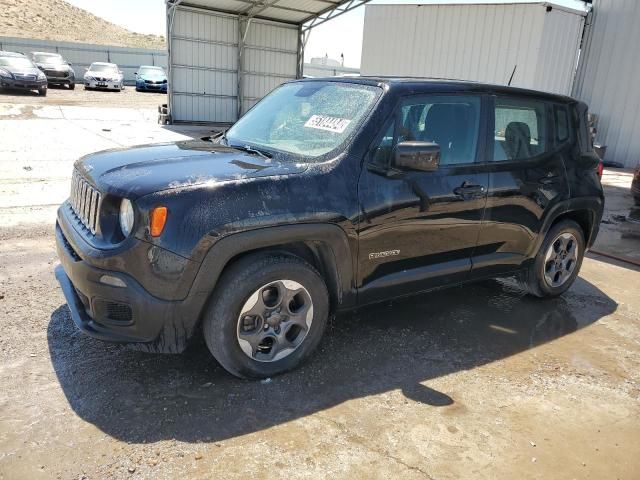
point(512, 74)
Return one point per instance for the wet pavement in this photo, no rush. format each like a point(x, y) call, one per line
point(472, 382)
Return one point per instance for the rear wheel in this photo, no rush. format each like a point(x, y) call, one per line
point(266, 316)
point(558, 262)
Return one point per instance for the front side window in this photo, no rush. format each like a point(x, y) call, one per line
point(520, 129)
point(305, 120)
point(451, 121)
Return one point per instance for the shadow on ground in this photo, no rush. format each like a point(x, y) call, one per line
point(139, 397)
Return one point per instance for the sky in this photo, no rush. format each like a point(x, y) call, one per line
point(343, 35)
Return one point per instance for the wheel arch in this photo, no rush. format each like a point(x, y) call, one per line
point(325, 246)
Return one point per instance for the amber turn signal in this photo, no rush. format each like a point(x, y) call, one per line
point(157, 220)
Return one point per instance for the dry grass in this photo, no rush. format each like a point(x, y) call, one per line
point(61, 21)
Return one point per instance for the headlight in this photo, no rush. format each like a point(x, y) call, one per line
point(41, 76)
point(88, 78)
point(5, 74)
point(126, 217)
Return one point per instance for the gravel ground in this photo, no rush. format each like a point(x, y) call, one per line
point(472, 382)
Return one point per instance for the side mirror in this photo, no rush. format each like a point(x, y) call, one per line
point(86, 69)
point(423, 156)
point(135, 73)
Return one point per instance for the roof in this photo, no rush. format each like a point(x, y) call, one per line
point(104, 63)
point(4, 53)
point(290, 11)
point(575, 11)
point(425, 85)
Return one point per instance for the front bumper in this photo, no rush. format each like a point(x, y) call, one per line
point(106, 85)
point(123, 314)
point(20, 84)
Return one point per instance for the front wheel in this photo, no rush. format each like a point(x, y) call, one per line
point(72, 86)
point(42, 92)
point(558, 262)
point(267, 315)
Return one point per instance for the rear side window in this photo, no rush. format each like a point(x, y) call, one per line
point(520, 129)
point(561, 115)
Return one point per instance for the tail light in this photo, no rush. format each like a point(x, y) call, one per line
point(600, 169)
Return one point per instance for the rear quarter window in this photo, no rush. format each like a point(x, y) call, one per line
point(520, 129)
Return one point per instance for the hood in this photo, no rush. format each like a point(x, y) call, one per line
point(53, 66)
point(135, 172)
point(152, 76)
point(22, 70)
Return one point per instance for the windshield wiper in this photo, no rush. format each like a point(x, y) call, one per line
point(250, 149)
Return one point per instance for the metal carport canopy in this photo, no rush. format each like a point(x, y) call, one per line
point(302, 15)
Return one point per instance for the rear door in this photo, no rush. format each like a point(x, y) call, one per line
point(526, 179)
point(418, 229)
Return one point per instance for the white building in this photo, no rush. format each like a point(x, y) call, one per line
point(537, 43)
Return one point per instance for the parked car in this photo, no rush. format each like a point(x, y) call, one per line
point(20, 73)
point(57, 70)
point(327, 195)
point(103, 76)
point(152, 79)
point(635, 186)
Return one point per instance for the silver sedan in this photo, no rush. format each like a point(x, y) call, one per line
point(104, 76)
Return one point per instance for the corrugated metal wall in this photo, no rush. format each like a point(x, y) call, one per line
point(204, 61)
point(474, 42)
point(81, 55)
point(608, 77)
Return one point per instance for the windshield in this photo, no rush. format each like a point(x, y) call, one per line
point(103, 69)
point(17, 62)
point(48, 58)
point(306, 119)
point(152, 71)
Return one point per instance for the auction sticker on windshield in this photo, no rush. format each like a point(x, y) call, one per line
point(324, 122)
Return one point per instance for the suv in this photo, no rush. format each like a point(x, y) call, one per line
point(329, 194)
point(56, 68)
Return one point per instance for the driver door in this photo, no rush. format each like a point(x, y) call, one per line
point(418, 229)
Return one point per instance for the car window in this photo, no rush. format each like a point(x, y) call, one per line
point(305, 119)
point(562, 123)
point(16, 62)
point(382, 151)
point(520, 127)
point(451, 121)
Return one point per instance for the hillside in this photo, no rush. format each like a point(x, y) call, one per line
point(59, 20)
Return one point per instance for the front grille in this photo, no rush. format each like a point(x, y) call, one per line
point(21, 76)
point(85, 202)
point(56, 73)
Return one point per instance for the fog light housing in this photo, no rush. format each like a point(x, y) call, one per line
point(112, 281)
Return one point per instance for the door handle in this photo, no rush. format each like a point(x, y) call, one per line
point(468, 190)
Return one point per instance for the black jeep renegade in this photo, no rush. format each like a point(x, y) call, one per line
point(327, 195)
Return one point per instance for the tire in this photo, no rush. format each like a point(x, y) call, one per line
point(250, 279)
point(636, 200)
point(535, 280)
point(72, 86)
point(42, 92)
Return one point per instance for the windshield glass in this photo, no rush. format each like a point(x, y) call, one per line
point(48, 58)
point(151, 71)
point(306, 119)
point(103, 69)
point(17, 62)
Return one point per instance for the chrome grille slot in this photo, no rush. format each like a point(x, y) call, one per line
point(85, 202)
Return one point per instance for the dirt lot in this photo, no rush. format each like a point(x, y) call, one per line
point(474, 382)
point(87, 98)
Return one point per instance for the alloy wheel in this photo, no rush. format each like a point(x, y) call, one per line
point(275, 320)
point(561, 259)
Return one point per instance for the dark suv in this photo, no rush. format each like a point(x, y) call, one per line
point(57, 70)
point(327, 195)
